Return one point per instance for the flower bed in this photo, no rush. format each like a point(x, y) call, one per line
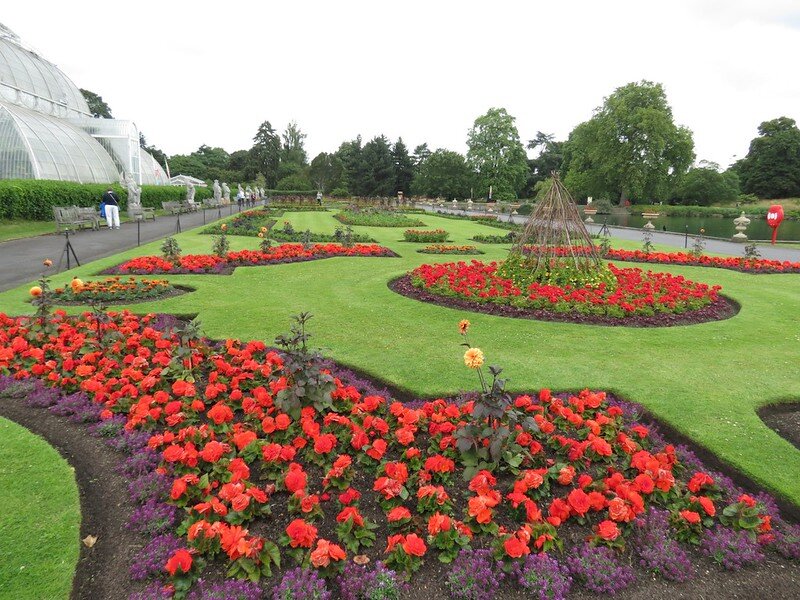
point(449, 249)
point(209, 263)
point(376, 219)
point(113, 289)
point(248, 223)
point(735, 263)
point(636, 293)
point(425, 237)
point(347, 473)
point(494, 239)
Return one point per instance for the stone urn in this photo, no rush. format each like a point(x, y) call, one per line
point(741, 222)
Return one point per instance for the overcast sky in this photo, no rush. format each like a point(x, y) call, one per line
point(192, 73)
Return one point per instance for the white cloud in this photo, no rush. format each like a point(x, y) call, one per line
point(210, 73)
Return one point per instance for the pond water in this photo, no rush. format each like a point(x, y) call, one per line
point(714, 226)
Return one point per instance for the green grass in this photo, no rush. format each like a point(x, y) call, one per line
point(706, 380)
point(14, 230)
point(40, 519)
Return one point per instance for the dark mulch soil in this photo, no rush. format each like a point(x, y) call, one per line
point(723, 308)
point(783, 419)
point(102, 571)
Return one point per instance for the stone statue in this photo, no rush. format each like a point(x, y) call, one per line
point(241, 190)
point(226, 193)
point(263, 193)
point(134, 191)
point(217, 192)
point(189, 192)
point(248, 192)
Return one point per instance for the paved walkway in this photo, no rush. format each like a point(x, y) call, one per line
point(667, 238)
point(21, 260)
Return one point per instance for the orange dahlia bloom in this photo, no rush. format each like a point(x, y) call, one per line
point(473, 358)
point(463, 326)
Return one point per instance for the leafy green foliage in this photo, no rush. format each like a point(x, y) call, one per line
point(308, 385)
point(220, 245)
point(705, 186)
point(496, 154)
point(630, 148)
point(170, 249)
point(97, 105)
point(443, 174)
point(771, 168)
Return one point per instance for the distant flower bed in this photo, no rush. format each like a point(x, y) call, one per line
point(449, 249)
point(112, 289)
point(494, 239)
point(736, 263)
point(425, 236)
point(209, 263)
point(635, 292)
point(250, 222)
point(376, 219)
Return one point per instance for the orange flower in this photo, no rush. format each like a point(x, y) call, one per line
point(76, 284)
point(181, 559)
point(414, 545)
point(301, 534)
point(326, 552)
point(473, 358)
point(608, 530)
point(47, 262)
point(463, 325)
point(36, 291)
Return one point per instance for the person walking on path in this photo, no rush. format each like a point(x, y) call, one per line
point(111, 201)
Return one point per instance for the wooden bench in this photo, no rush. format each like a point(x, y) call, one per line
point(172, 207)
point(71, 217)
point(141, 213)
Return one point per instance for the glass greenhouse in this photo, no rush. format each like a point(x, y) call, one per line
point(47, 130)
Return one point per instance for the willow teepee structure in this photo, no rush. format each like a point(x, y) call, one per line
point(556, 235)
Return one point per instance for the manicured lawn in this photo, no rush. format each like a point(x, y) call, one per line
point(40, 519)
point(706, 380)
point(13, 230)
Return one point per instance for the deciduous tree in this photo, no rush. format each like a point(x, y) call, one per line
point(496, 154)
point(771, 168)
point(630, 148)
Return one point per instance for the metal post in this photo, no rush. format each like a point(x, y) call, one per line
point(178, 223)
point(204, 215)
point(138, 232)
point(67, 248)
point(686, 238)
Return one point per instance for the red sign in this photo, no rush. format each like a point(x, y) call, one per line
point(774, 218)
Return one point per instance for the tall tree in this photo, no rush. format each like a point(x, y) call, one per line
point(771, 168)
point(549, 158)
point(97, 106)
point(293, 150)
point(496, 154)
point(379, 165)
point(326, 171)
point(265, 155)
point(403, 167)
point(444, 174)
point(630, 148)
point(421, 153)
point(354, 172)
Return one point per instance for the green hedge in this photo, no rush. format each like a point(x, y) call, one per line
point(34, 199)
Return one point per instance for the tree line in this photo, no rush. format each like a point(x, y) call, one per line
point(630, 151)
